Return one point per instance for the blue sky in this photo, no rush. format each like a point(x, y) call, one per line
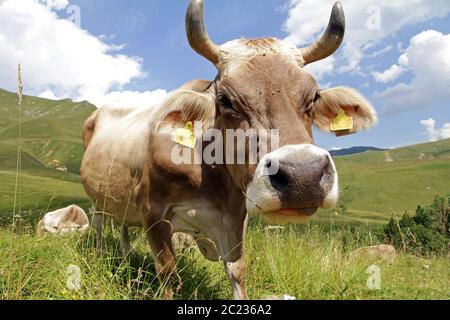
point(154, 30)
point(139, 51)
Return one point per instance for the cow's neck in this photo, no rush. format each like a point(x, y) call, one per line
point(217, 181)
point(222, 193)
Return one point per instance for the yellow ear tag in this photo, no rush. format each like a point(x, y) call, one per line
point(185, 136)
point(342, 122)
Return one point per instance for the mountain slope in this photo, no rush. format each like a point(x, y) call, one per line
point(51, 129)
point(353, 150)
point(51, 151)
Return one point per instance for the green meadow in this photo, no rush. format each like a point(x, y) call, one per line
point(307, 262)
point(374, 185)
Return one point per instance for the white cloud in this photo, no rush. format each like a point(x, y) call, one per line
point(124, 99)
point(430, 126)
point(321, 68)
point(131, 99)
point(389, 75)
point(368, 23)
point(55, 4)
point(381, 51)
point(433, 133)
point(48, 94)
point(445, 131)
point(61, 60)
point(428, 59)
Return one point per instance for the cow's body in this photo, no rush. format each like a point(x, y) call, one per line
point(130, 172)
point(113, 161)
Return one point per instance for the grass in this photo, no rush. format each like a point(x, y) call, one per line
point(311, 264)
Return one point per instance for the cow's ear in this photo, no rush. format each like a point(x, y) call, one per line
point(88, 129)
point(188, 106)
point(331, 102)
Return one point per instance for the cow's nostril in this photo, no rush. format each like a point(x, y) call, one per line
point(327, 176)
point(279, 181)
point(326, 168)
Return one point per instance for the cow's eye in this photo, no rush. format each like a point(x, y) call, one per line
point(309, 110)
point(317, 96)
point(225, 103)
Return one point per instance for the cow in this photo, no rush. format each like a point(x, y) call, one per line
point(63, 221)
point(129, 170)
point(382, 252)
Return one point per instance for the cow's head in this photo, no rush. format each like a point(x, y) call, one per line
point(261, 84)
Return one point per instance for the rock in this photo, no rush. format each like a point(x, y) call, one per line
point(62, 169)
point(388, 158)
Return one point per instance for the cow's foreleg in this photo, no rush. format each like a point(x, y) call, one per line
point(98, 221)
point(125, 241)
point(160, 237)
point(236, 274)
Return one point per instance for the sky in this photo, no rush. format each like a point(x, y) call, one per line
point(133, 52)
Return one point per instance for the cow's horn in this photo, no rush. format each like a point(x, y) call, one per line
point(330, 40)
point(197, 34)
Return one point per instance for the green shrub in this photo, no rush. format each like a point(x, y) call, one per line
point(426, 232)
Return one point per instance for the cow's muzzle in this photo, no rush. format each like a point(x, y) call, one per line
point(292, 183)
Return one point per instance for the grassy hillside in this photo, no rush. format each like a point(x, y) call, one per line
point(375, 184)
point(51, 130)
point(51, 152)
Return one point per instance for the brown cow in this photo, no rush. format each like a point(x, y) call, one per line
point(129, 167)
